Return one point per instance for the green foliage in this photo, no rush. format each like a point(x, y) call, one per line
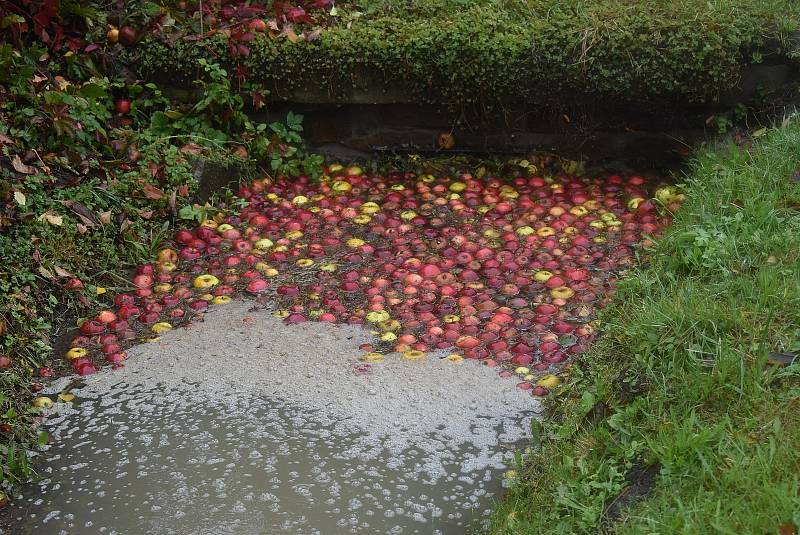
point(679, 376)
point(282, 147)
point(87, 192)
point(489, 53)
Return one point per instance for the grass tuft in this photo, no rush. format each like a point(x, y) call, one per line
point(681, 375)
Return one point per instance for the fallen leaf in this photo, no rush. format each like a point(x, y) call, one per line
point(5, 140)
point(105, 217)
point(81, 228)
point(787, 528)
point(46, 273)
point(64, 396)
point(86, 216)
point(241, 152)
point(145, 214)
point(152, 192)
point(61, 272)
point(100, 290)
point(313, 36)
point(291, 35)
point(191, 148)
point(19, 198)
point(53, 219)
point(154, 168)
point(21, 167)
point(172, 202)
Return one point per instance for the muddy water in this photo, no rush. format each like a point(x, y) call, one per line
point(125, 466)
point(164, 447)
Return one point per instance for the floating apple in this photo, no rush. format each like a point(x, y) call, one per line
point(127, 35)
point(510, 272)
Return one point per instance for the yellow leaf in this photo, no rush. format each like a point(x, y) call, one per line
point(19, 198)
point(100, 290)
point(291, 35)
point(64, 396)
point(53, 219)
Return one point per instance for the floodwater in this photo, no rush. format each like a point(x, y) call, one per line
point(131, 467)
point(152, 449)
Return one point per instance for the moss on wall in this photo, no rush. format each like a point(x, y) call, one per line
point(494, 53)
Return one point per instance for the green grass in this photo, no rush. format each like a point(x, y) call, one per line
point(679, 378)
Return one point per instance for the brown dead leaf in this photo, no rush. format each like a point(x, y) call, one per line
point(105, 217)
point(125, 225)
point(84, 214)
point(61, 272)
point(145, 214)
point(152, 192)
point(191, 148)
point(81, 228)
point(289, 33)
point(173, 202)
point(787, 528)
point(46, 273)
point(21, 167)
point(273, 25)
point(241, 152)
point(154, 168)
point(5, 140)
point(313, 36)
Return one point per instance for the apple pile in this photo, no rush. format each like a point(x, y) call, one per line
point(509, 272)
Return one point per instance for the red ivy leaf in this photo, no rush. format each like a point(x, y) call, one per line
point(74, 44)
point(243, 50)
